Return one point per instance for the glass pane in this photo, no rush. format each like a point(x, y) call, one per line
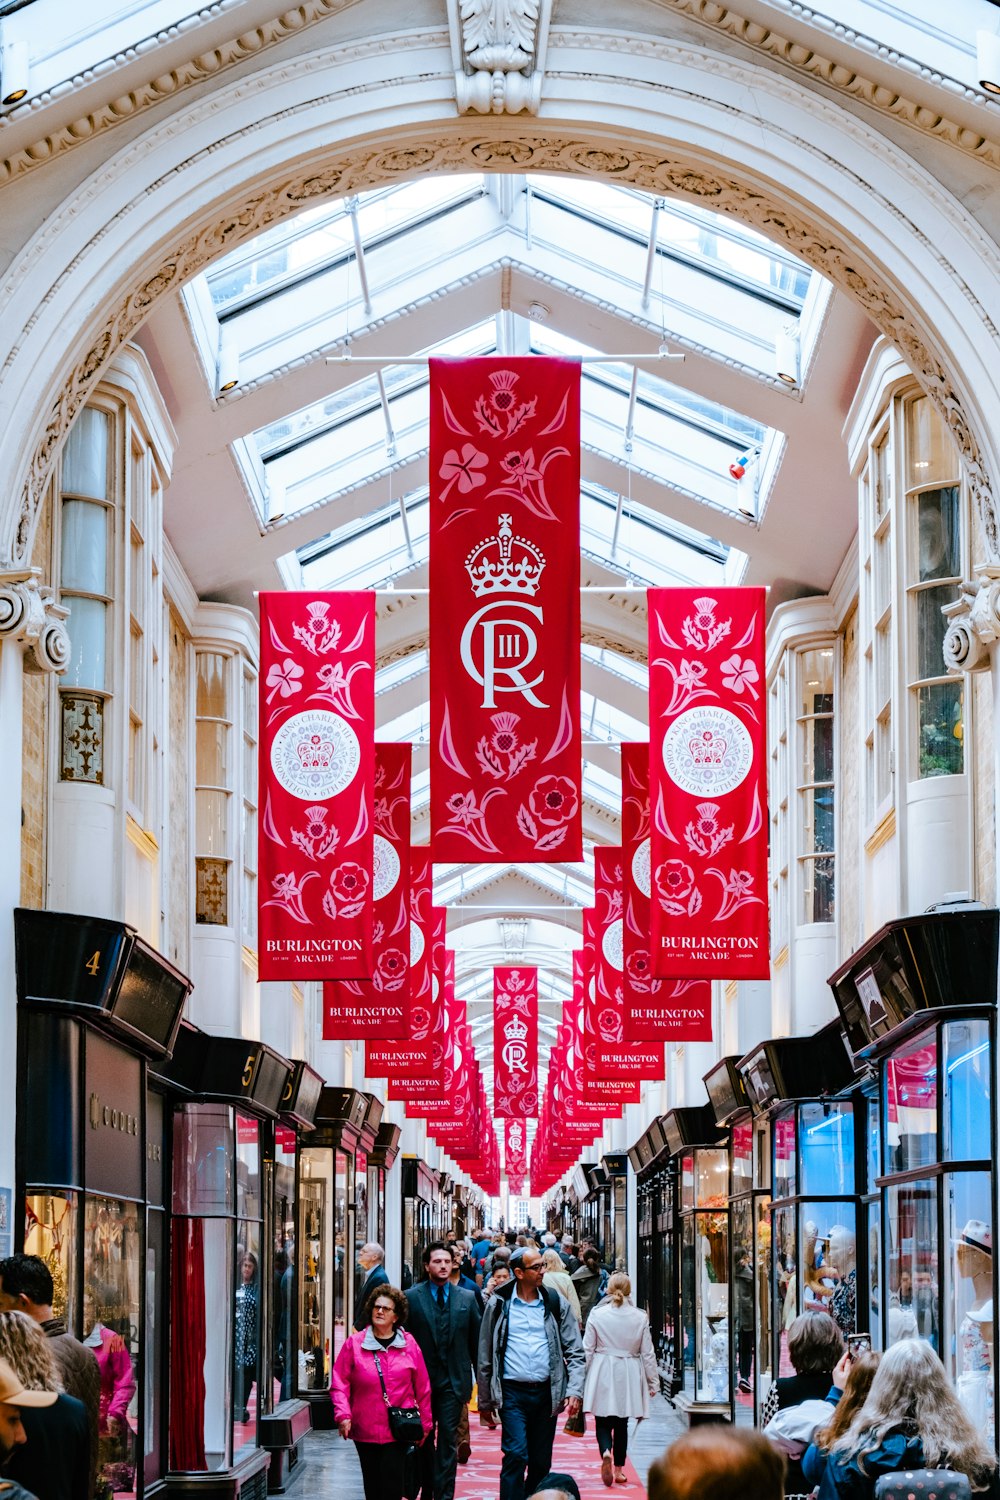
point(882, 575)
point(826, 1148)
point(212, 753)
point(966, 1098)
point(912, 1264)
point(284, 1268)
point(968, 1295)
point(200, 1344)
point(712, 1179)
point(203, 1160)
point(212, 698)
point(688, 1311)
point(872, 1314)
point(784, 1155)
point(315, 1248)
point(817, 820)
point(939, 717)
point(687, 1182)
point(743, 1303)
point(211, 811)
point(248, 1205)
point(911, 1105)
point(88, 632)
point(931, 626)
point(84, 547)
point(830, 1262)
point(246, 1336)
point(112, 1268)
point(156, 1282)
point(712, 1269)
point(785, 1283)
point(874, 1137)
point(818, 889)
point(762, 1154)
point(742, 1156)
point(930, 453)
point(341, 1327)
point(85, 461)
point(816, 684)
point(883, 479)
point(50, 1231)
point(817, 750)
point(762, 1294)
point(939, 546)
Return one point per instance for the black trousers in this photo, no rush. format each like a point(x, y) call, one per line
point(612, 1437)
point(439, 1453)
point(381, 1470)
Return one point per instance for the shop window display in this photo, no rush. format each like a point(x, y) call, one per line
point(50, 1232)
point(705, 1275)
point(112, 1266)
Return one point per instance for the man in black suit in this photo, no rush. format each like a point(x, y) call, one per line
point(370, 1259)
point(444, 1320)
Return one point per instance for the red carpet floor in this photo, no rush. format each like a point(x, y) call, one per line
point(479, 1479)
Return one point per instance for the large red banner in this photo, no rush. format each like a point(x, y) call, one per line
point(661, 1010)
point(505, 609)
point(708, 784)
point(515, 1043)
point(516, 1155)
point(356, 1009)
point(414, 1057)
point(317, 768)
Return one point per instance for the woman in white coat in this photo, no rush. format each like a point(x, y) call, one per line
point(621, 1373)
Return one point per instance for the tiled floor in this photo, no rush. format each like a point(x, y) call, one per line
point(332, 1465)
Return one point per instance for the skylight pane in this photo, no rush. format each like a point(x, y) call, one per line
point(372, 552)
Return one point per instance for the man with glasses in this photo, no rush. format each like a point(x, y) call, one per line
point(531, 1367)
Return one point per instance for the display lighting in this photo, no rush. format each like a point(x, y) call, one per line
point(987, 61)
point(786, 355)
point(14, 72)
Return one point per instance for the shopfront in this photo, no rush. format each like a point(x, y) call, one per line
point(918, 1003)
point(381, 1159)
point(97, 1008)
point(750, 1237)
point(700, 1154)
point(614, 1201)
point(419, 1205)
point(802, 1087)
point(656, 1272)
point(366, 1207)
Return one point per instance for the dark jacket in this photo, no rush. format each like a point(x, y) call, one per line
point(845, 1479)
point(11, 1491)
point(54, 1463)
point(567, 1362)
point(569, 1261)
point(454, 1364)
point(469, 1285)
point(794, 1389)
point(377, 1276)
point(588, 1289)
point(81, 1378)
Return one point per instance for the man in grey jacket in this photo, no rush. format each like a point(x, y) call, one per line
point(531, 1367)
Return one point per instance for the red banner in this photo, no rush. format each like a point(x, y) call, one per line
point(516, 1155)
point(505, 610)
point(515, 1043)
point(605, 941)
point(662, 1010)
point(356, 1009)
point(317, 768)
point(588, 1082)
point(413, 1058)
point(708, 784)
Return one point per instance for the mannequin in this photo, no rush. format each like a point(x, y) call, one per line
point(974, 1264)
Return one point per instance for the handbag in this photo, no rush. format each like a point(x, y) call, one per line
point(943, 1483)
point(405, 1422)
point(576, 1426)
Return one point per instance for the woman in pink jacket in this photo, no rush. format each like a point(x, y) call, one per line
point(358, 1404)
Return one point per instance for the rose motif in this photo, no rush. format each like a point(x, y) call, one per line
point(553, 800)
point(349, 881)
point(420, 1020)
point(609, 1026)
point(639, 968)
point(391, 968)
point(674, 880)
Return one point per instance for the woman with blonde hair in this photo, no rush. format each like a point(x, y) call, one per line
point(557, 1276)
point(621, 1373)
point(54, 1462)
point(912, 1419)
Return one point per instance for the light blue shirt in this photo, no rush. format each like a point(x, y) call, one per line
point(527, 1353)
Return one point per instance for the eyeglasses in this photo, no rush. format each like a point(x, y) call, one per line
point(382, 1308)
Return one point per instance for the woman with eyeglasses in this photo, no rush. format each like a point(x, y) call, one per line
point(359, 1406)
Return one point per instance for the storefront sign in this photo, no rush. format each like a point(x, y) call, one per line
point(515, 1043)
point(708, 785)
point(317, 770)
point(505, 610)
point(113, 1144)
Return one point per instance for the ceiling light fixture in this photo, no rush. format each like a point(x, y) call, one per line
point(988, 61)
point(227, 375)
point(538, 312)
point(786, 355)
point(14, 72)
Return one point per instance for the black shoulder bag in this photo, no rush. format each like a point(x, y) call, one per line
point(404, 1421)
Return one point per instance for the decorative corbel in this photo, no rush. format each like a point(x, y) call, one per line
point(498, 52)
point(30, 616)
point(973, 622)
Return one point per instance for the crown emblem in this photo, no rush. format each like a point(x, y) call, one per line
point(709, 749)
point(315, 753)
point(505, 563)
point(515, 1030)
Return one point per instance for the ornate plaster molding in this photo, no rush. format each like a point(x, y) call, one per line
point(973, 622)
point(498, 50)
point(30, 616)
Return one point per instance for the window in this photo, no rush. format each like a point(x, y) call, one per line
point(934, 570)
point(815, 822)
point(877, 539)
point(86, 588)
point(249, 841)
point(145, 685)
point(213, 784)
point(778, 799)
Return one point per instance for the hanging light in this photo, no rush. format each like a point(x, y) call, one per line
point(988, 61)
point(786, 355)
point(14, 72)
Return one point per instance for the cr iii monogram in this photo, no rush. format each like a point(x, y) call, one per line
point(500, 641)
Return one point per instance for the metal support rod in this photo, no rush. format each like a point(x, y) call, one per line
point(359, 254)
point(630, 419)
point(658, 203)
point(390, 436)
point(655, 357)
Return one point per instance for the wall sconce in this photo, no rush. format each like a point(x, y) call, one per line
point(228, 369)
point(988, 61)
point(786, 355)
point(14, 72)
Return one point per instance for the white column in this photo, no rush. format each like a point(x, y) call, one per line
point(11, 701)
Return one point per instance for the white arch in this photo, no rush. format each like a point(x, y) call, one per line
point(670, 117)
